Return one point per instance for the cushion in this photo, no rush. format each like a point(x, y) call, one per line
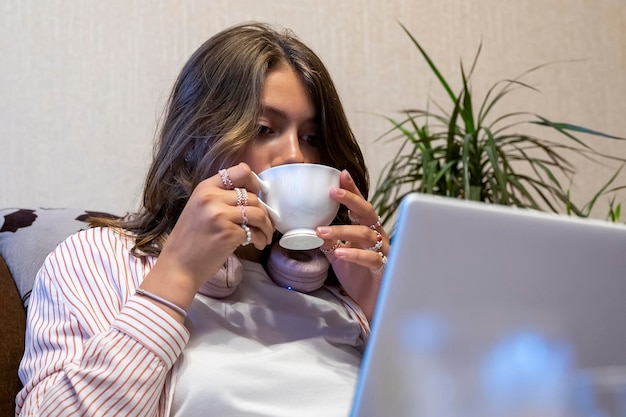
point(27, 236)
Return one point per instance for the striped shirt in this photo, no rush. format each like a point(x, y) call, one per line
point(93, 347)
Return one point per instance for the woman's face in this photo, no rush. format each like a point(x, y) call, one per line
point(287, 125)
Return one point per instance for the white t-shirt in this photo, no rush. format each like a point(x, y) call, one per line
point(268, 351)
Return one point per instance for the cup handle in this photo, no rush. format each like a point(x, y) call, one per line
point(265, 187)
point(273, 212)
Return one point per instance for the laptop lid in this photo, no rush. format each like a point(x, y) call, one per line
point(487, 310)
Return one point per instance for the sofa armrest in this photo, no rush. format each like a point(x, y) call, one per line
point(12, 325)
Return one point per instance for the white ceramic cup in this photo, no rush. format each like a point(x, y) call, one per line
point(298, 200)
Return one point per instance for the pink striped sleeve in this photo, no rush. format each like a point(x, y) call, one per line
point(157, 330)
point(92, 348)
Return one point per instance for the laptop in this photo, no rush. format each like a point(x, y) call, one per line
point(488, 310)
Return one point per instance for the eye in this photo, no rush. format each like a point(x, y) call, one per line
point(264, 130)
point(312, 140)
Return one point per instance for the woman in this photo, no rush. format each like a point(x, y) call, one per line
point(126, 320)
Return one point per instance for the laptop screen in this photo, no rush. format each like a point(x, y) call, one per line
point(494, 311)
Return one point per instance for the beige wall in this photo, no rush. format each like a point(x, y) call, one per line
point(83, 82)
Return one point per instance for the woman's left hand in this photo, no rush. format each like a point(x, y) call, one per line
point(360, 249)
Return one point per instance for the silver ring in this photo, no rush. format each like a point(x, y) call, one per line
point(228, 183)
point(379, 242)
point(330, 251)
point(242, 196)
point(354, 220)
point(381, 268)
point(248, 235)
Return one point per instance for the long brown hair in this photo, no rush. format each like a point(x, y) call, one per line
point(212, 114)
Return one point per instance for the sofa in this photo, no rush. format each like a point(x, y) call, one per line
point(27, 236)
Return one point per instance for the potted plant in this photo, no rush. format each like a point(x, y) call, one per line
point(468, 151)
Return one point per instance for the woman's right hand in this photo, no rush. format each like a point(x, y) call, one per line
point(208, 230)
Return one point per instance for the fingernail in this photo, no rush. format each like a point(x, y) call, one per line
point(323, 230)
point(339, 192)
point(339, 252)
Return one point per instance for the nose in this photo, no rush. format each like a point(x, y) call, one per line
point(289, 150)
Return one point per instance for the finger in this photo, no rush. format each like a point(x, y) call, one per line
point(257, 219)
point(374, 261)
point(360, 210)
point(227, 183)
point(250, 235)
point(244, 202)
point(369, 239)
point(355, 202)
point(253, 201)
point(347, 183)
point(383, 263)
point(328, 248)
point(363, 213)
point(253, 214)
point(358, 237)
point(239, 175)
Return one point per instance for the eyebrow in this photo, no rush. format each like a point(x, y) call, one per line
point(281, 114)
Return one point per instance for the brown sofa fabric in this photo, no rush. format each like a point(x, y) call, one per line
point(12, 325)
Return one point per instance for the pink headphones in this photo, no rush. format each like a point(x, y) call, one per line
point(302, 271)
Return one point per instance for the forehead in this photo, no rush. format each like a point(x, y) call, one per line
point(285, 94)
